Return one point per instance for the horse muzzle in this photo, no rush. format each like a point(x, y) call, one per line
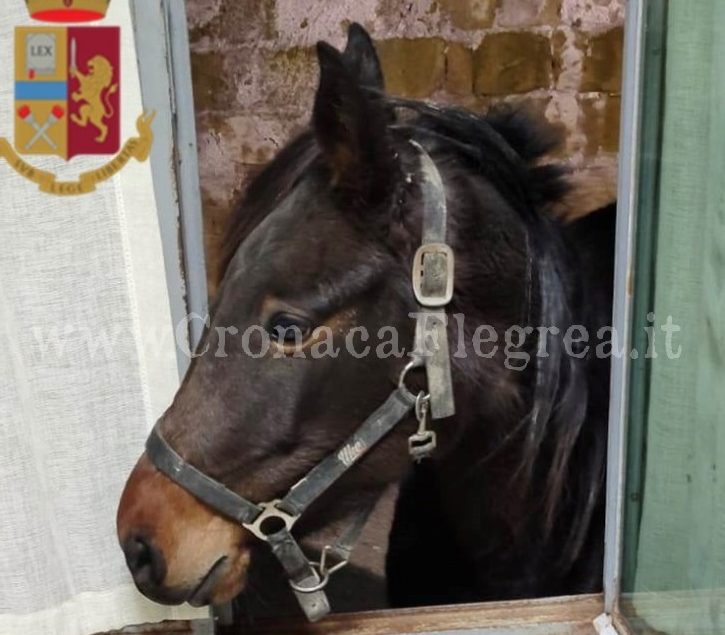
point(177, 549)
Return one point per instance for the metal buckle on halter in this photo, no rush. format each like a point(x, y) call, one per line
point(270, 511)
point(322, 570)
point(433, 266)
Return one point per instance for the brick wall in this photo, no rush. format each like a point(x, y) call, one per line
point(255, 73)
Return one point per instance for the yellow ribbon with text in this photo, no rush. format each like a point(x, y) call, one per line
point(138, 148)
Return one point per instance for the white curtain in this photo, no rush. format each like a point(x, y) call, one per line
point(87, 363)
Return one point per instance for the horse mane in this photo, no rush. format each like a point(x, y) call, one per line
point(561, 461)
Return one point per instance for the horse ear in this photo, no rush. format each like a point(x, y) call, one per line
point(351, 129)
point(362, 59)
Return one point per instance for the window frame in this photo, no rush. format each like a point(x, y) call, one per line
point(166, 85)
point(166, 89)
point(625, 248)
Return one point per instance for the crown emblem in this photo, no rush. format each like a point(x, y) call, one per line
point(67, 10)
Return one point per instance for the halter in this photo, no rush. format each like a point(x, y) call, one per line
point(272, 521)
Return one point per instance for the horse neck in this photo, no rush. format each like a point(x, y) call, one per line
point(482, 470)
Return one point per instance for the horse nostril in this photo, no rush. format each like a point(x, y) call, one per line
point(145, 561)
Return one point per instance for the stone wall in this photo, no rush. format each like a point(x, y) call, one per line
point(255, 73)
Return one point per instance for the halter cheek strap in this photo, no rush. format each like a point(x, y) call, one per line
point(433, 266)
point(272, 521)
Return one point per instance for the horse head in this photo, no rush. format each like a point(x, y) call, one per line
point(312, 327)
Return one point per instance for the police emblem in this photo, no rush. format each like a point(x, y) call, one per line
point(68, 95)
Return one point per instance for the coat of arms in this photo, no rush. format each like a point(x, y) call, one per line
point(68, 94)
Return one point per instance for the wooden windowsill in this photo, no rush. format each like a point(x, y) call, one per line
point(552, 616)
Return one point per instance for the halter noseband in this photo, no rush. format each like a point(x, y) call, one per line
point(272, 521)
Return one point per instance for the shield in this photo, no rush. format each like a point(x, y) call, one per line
point(67, 90)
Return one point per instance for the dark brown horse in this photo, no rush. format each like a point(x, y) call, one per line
point(318, 260)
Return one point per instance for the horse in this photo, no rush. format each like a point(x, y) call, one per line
point(317, 258)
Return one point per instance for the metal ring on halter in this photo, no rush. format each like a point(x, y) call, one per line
point(323, 571)
point(314, 588)
point(416, 362)
point(270, 511)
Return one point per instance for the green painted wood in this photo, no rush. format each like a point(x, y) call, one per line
point(681, 541)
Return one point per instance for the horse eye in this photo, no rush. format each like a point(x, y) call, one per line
point(289, 329)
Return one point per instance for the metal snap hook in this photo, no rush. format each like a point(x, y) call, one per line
point(423, 443)
point(422, 402)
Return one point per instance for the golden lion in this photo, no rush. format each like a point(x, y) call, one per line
point(95, 89)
